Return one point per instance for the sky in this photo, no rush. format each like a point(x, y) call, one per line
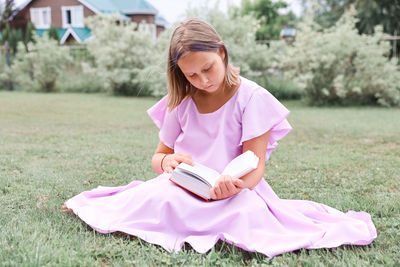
point(174, 10)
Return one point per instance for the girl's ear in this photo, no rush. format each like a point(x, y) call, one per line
point(221, 52)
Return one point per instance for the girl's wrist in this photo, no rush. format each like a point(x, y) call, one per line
point(162, 160)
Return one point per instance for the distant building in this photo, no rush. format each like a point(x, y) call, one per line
point(288, 34)
point(68, 16)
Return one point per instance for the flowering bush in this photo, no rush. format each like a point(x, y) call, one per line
point(339, 66)
point(74, 81)
point(120, 53)
point(39, 68)
point(5, 72)
point(153, 77)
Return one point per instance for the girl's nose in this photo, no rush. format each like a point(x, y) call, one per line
point(204, 80)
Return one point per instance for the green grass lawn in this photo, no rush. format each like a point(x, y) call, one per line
point(54, 146)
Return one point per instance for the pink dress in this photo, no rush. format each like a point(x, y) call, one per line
point(162, 213)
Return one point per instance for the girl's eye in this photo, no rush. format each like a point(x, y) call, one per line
point(208, 69)
point(192, 76)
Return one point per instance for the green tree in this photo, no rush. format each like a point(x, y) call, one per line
point(271, 22)
point(11, 37)
point(53, 33)
point(6, 13)
point(29, 34)
point(370, 13)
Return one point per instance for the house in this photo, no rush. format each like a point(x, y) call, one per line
point(68, 16)
point(288, 34)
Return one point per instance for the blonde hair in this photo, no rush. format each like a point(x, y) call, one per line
point(193, 35)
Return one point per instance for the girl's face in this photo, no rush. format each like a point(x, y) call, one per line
point(204, 70)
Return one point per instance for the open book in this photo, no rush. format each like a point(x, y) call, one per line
point(199, 179)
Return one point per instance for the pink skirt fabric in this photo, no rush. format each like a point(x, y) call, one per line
point(162, 213)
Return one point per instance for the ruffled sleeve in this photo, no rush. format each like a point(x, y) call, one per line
point(264, 113)
point(166, 121)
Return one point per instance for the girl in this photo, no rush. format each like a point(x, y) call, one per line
point(210, 116)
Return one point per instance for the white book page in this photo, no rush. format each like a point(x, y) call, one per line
point(206, 173)
point(193, 184)
point(242, 164)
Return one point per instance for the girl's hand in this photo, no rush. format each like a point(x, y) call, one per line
point(170, 161)
point(226, 187)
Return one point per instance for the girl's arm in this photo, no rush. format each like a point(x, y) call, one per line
point(259, 146)
point(226, 186)
point(165, 159)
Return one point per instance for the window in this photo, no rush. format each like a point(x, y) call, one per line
point(68, 17)
point(72, 16)
point(149, 28)
point(41, 17)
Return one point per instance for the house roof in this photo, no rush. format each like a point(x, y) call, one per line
point(135, 6)
point(83, 33)
point(128, 7)
point(286, 32)
point(79, 34)
point(161, 21)
point(40, 32)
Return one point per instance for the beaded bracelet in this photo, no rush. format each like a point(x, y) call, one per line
point(162, 162)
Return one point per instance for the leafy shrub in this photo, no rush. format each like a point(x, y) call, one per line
point(5, 72)
point(39, 68)
point(74, 80)
point(339, 66)
point(120, 53)
point(283, 89)
point(153, 77)
point(80, 53)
